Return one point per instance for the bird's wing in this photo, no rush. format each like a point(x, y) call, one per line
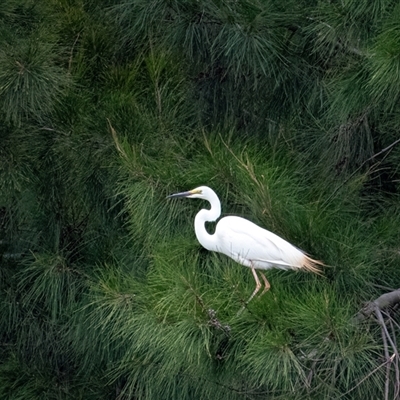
point(254, 244)
point(280, 263)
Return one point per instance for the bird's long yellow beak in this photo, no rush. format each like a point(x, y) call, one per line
point(185, 194)
point(181, 194)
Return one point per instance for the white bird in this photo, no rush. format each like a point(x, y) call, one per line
point(245, 242)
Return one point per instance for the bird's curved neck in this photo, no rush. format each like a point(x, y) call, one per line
point(203, 216)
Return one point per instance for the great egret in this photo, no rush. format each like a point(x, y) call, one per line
point(245, 242)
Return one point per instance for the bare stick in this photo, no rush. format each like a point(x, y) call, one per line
point(393, 325)
point(382, 302)
point(367, 376)
point(386, 350)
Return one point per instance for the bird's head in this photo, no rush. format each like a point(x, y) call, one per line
point(201, 192)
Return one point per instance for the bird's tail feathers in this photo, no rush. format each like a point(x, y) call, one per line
point(311, 265)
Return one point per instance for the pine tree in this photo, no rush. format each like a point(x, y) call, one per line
point(289, 110)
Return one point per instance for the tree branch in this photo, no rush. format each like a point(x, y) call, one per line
point(376, 307)
point(382, 302)
point(386, 350)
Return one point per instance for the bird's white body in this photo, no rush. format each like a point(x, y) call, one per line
point(261, 250)
point(245, 242)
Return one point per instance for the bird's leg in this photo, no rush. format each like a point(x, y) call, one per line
point(267, 285)
point(258, 285)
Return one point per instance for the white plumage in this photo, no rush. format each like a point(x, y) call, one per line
point(245, 242)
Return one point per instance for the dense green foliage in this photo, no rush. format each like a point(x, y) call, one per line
point(289, 110)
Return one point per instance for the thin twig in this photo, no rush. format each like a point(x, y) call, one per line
point(367, 376)
point(378, 307)
point(387, 337)
point(396, 362)
point(382, 322)
point(394, 324)
point(71, 53)
point(386, 350)
point(382, 151)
